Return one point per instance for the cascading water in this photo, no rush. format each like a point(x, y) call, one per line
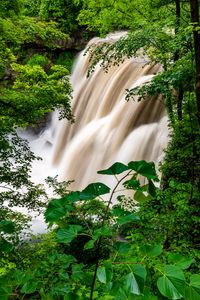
point(107, 128)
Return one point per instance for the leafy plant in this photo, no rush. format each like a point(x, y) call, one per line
point(122, 264)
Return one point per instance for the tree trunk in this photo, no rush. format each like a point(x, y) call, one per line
point(176, 57)
point(194, 8)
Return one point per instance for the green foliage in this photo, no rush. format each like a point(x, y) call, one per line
point(38, 84)
point(65, 12)
point(134, 267)
point(9, 7)
point(33, 86)
point(165, 36)
point(38, 59)
point(110, 15)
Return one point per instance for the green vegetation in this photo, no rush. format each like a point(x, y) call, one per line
point(145, 247)
point(103, 251)
point(31, 86)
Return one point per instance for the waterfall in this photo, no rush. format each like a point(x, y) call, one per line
point(107, 128)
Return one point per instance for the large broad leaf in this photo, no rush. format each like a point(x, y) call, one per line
point(66, 235)
point(180, 261)
point(144, 168)
point(151, 250)
point(172, 283)
point(116, 168)
point(192, 291)
point(105, 274)
point(56, 209)
point(94, 190)
point(134, 281)
point(7, 226)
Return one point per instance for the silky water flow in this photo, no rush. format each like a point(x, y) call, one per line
point(107, 128)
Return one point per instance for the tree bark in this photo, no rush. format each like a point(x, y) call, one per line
point(194, 9)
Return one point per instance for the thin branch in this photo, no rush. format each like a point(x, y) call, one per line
point(100, 238)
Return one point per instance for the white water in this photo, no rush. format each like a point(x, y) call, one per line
point(107, 128)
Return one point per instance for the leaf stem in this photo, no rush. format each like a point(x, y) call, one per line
point(100, 238)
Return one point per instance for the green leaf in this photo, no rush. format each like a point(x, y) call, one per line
point(181, 261)
point(152, 188)
point(66, 235)
point(139, 196)
point(124, 216)
point(5, 246)
point(73, 197)
point(151, 250)
point(134, 281)
point(101, 274)
point(132, 184)
point(172, 283)
point(7, 226)
point(89, 245)
point(103, 231)
point(105, 274)
point(56, 210)
point(128, 218)
point(192, 291)
point(29, 287)
point(144, 168)
point(119, 212)
point(116, 168)
point(140, 274)
point(131, 285)
point(94, 190)
point(195, 280)
point(122, 247)
point(77, 272)
point(118, 292)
